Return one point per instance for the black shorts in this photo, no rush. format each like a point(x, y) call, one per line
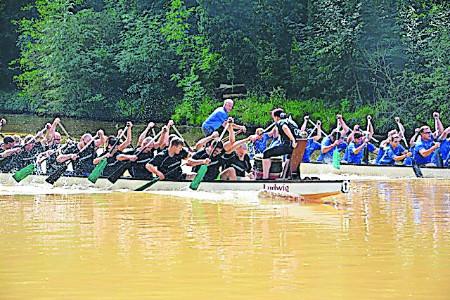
point(278, 150)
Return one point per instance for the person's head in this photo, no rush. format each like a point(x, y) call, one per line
point(277, 114)
point(258, 133)
point(218, 150)
point(176, 144)
point(392, 132)
point(228, 105)
point(242, 149)
point(335, 135)
point(112, 142)
point(395, 141)
point(85, 139)
point(8, 142)
point(425, 133)
point(17, 140)
point(57, 138)
point(148, 143)
point(357, 137)
point(29, 142)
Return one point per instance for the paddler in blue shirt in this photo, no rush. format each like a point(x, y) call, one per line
point(394, 152)
point(425, 147)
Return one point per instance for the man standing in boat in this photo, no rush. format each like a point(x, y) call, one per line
point(289, 133)
point(219, 118)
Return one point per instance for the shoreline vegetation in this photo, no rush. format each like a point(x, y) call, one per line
point(158, 60)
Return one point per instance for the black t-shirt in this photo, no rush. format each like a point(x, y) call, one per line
point(112, 163)
point(84, 164)
point(241, 166)
point(138, 169)
point(292, 126)
point(214, 167)
point(23, 159)
point(170, 166)
point(6, 163)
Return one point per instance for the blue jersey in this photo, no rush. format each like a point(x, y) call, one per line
point(445, 151)
point(390, 154)
point(311, 146)
point(261, 145)
point(420, 160)
point(328, 157)
point(357, 158)
point(380, 154)
point(216, 119)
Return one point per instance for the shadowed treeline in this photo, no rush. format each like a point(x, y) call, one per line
point(145, 60)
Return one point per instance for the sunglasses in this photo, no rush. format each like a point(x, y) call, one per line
point(427, 132)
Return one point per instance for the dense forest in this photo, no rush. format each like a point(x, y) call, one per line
point(153, 60)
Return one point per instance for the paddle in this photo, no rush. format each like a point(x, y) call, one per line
point(155, 180)
point(58, 173)
point(115, 175)
point(179, 134)
point(336, 154)
point(98, 170)
point(203, 168)
point(31, 168)
point(415, 166)
point(437, 152)
point(366, 148)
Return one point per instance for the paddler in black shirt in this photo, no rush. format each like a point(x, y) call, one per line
point(167, 163)
point(114, 154)
point(82, 161)
point(7, 153)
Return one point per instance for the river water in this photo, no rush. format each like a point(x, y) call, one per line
point(385, 239)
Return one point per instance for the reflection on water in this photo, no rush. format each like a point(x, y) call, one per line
point(385, 239)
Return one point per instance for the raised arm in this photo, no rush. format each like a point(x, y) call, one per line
point(228, 146)
point(443, 136)
point(413, 139)
point(144, 133)
point(438, 125)
point(305, 123)
point(318, 136)
point(344, 128)
point(369, 126)
point(201, 143)
point(350, 136)
point(128, 139)
point(101, 139)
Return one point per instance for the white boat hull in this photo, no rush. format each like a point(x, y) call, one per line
point(313, 188)
point(315, 169)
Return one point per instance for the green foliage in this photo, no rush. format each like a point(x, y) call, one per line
point(147, 60)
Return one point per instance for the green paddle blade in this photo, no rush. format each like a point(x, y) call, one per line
point(147, 185)
point(57, 174)
point(98, 170)
point(199, 177)
point(336, 159)
point(119, 171)
point(24, 172)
